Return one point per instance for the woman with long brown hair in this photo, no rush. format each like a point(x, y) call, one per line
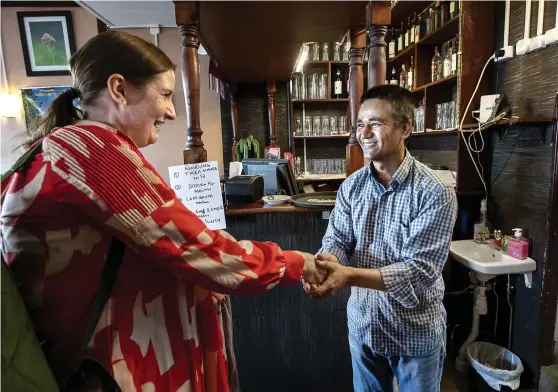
point(90, 183)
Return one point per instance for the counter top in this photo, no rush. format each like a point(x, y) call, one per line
point(260, 208)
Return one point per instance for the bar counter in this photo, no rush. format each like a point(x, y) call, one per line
point(259, 207)
point(285, 340)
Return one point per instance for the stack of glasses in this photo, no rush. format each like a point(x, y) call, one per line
point(309, 86)
point(326, 166)
point(446, 116)
point(320, 125)
point(418, 125)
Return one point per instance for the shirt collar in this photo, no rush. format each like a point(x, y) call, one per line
point(400, 174)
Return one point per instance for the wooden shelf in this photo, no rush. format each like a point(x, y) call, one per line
point(452, 78)
point(433, 133)
point(442, 34)
point(406, 53)
point(321, 177)
point(345, 100)
point(512, 121)
point(323, 137)
point(404, 8)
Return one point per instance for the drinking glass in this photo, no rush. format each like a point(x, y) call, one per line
point(314, 52)
point(322, 86)
point(298, 126)
point(336, 51)
point(316, 126)
point(325, 126)
point(438, 116)
point(342, 125)
point(333, 125)
point(325, 51)
point(314, 86)
point(304, 86)
point(308, 126)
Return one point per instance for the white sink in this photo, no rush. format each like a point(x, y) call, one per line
point(486, 259)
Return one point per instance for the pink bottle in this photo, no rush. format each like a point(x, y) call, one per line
point(518, 247)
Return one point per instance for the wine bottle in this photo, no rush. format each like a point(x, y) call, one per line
point(403, 77)
point(392, 44)
point(393, 79)
point(400, 40)
point(338, 85)
point(447, 61)
point(436, 65)
point(411, 75)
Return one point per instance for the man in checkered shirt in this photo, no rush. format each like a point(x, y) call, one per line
point(388, 238)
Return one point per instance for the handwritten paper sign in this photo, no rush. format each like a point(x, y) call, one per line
point(198, 187)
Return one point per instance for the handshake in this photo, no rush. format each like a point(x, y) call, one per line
point(323, 275)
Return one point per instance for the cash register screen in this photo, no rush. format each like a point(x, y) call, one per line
point(277, 174)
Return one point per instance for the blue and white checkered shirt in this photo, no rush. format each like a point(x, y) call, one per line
point(405, 232)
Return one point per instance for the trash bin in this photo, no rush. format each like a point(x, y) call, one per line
point(497, 366)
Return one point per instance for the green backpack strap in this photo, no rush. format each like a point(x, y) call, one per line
point(24, 365)
point(23, 160)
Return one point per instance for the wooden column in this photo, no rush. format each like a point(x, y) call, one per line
point(354, 155)
point(234, 119)
point(187, 19)
point(271, 89)
point(378, 16)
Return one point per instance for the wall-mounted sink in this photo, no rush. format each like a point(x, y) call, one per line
point(486, 259)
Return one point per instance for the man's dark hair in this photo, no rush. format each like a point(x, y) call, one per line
point(402, 101)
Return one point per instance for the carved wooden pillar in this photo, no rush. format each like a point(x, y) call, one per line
point(271, 89)
point(354, 157)
point(378, 16)
point(234, 119)
point(189, 42)
point(377, 58)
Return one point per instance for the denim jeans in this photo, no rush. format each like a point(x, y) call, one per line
point(374, 373)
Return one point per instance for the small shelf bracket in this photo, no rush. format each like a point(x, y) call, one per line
point(528, 279)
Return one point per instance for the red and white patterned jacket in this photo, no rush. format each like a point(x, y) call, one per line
point(159, 330)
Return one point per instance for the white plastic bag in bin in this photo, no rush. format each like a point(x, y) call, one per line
point(496, 365)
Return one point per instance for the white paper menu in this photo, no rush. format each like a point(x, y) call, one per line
point(198, 187)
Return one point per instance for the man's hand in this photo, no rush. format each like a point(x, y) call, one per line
point(337, 277)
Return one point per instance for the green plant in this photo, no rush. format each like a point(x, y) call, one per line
point(247, 145)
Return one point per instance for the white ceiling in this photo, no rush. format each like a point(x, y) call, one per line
point(132, 13)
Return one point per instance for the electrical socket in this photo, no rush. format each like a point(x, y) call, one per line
point(538, 42)
point(507, 55)
point(523, 46)
point(551, 36)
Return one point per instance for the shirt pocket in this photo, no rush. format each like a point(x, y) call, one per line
point(395, 239)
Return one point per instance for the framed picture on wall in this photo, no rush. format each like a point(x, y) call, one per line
point(47, 40)
point(36, 100)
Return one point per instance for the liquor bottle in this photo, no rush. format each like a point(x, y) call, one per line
point(447, 61)
point(403, 77)
point(338, 85)
point(411, 75)
point(401, 39)
point(419, 28)
point(454, 8)
point(393, 79)
point(408, 33)
point(436, 65)
point(412, 32)
point(392, 44)
point(454, 56)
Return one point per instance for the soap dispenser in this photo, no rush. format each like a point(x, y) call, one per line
point(482, 227)
point(518, 247)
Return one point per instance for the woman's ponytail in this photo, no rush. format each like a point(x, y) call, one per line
point(61, 112)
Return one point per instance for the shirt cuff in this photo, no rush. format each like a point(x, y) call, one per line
point(294, 266)
point(334, 250)
point(398, 284)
